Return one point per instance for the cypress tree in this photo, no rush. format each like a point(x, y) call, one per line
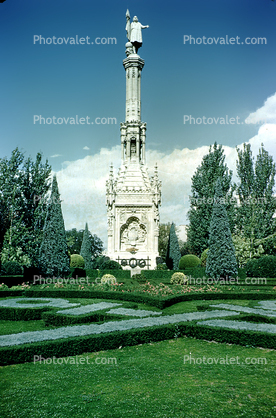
point(173, 251)
point(86, 250)
point(221, 259)
point(53, 254)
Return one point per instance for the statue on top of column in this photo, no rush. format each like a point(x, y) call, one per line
point(134, 32)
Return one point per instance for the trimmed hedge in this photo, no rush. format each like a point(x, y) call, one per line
point(7, 293)
point(160, 303)
point(77, 345)
point(261, 267)
point(119, 274)
point(60, 320)
point(22, 314)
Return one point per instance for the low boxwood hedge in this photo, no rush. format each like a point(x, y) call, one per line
point(160, 302)
point(22, 314)
point(60, 320)
point(107, 341)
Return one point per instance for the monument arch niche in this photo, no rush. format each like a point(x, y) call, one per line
point(133, 196)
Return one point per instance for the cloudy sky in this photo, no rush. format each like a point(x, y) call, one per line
point(205, 63)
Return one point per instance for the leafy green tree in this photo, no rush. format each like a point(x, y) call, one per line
point(244, 250)
point(24, 185)
point(212, 167)
point(221, 259)
point(86, 250)
point(173, 252)
point(54, 259)
point(75, 238)
point(255, 189)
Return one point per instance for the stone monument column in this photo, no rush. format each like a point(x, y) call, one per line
point(133, 198)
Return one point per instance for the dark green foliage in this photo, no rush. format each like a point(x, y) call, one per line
point(119, 274)
point(255, 213)
point(242, 273)
point(86, 249)
point(22, 314)
point(164, 232)
point(203, 189)
point(269, 244)
point(173, 252)
point(188, 261)
point(140, 277)
point(61, 320)
point(203, 257)
point(77, 345)
point(256, 318)
point(11, 268)
point(161, 266)
point(77, 260)
point(53, 254)
point(195, 272)
point(24, 185)
point(75, 238)
point(261, 267)
point(77, 272)
point(99, 261)
point(111, 265)
point(221, 259)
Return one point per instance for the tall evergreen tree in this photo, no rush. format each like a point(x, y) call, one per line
point(173, 251)
point(221, 259)
point(203, 189)
point(53, 254)
point(257, 204)
point(23, 187)
point(86, 250)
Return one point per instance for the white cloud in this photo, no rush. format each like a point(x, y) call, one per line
point(55, 156)
point(265, 114)
point(86, 148)
point(82, 182)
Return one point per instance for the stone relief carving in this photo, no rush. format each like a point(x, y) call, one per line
point(133, 232)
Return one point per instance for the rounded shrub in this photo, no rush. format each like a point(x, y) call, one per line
point(188, 261)
point(203, 257)
point(261, 267)
point(179, 278)
point(77, 260)
point(108, 279)
point(11, 268)
point(161, 267)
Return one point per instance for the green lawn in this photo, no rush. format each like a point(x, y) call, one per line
point(147, 381)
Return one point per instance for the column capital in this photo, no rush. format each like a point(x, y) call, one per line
point(133, 60)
